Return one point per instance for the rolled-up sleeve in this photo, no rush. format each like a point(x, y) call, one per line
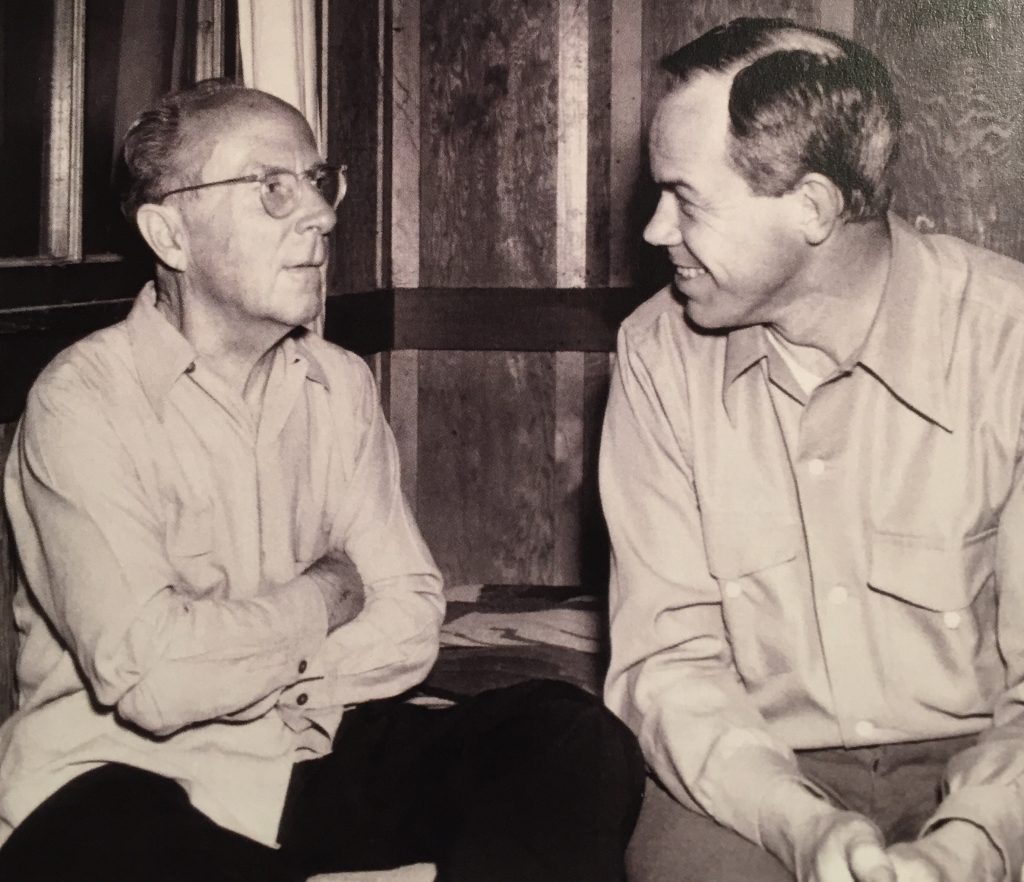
point(393, 642)
point(671, 676)
point(92, 545)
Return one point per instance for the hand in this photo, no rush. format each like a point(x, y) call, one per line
point(842, 847)
point(342, 589)
point(955, 852)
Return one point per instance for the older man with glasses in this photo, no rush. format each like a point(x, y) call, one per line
point(224, 594)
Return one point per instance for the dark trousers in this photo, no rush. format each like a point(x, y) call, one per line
point(534, 782)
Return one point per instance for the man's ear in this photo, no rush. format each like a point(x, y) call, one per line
point(162, 228)
point(820, 207)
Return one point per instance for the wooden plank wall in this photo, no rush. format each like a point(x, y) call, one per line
point(524, 148)
point(957, 68)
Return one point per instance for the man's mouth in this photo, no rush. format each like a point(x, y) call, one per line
point(690, 272)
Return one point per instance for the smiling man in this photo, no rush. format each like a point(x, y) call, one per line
point(813, 473)
point(225, 595)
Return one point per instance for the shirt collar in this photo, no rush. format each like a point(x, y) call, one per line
point(162, 355)
point(908, 346)
point(297, 349)
point(160, 352)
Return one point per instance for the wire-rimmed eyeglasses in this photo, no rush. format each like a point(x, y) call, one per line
point(281, 189)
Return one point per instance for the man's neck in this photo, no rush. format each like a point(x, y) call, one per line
point(842, 289)
point(237, 350)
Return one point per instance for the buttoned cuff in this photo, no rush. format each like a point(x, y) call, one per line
point(996, 810)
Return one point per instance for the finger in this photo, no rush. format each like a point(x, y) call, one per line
point(868, 861)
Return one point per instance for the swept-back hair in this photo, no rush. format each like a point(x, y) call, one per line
point(802, 100)
point(153, 159)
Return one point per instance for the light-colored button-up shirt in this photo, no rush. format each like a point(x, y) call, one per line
point(164, 617)
point(841, 569)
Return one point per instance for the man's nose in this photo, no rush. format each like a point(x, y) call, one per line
point(663, 227)
point(315, 212)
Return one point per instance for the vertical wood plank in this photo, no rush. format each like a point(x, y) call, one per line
point(382, 213)
point(485, 472)
point(567, 509)
point(626, 135)
point(67, 125)
point(571, 188)
point(405, 144)
point(489, 115)
point(956, 69)
point(489, 125)
point(8, 635)
point(353, 136)
point(599, 86)
point(571, 272)
point(403, 386)
point(209, 61)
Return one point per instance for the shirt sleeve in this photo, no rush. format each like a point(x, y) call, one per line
point(92, 545)
point(671, 676)
point(393, 642)
point(984, 784)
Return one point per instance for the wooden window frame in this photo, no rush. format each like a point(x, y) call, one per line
point(63, 179)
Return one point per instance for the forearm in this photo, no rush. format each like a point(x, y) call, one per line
point(186, 661)
point(387, 648)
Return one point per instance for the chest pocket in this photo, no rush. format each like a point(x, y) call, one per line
point(932, 578)
point(740, 544)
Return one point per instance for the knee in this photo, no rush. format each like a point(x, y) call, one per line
point(576, 727)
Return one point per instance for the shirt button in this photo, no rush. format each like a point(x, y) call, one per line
point(190, 368)
point(839, 595)
point(952, 619)
point(816, 467)
point(733, 590)
point(864, 729)
point(302, 666)
point(302, 699)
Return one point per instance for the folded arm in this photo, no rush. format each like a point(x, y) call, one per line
point(92, 540)
point(386, 640)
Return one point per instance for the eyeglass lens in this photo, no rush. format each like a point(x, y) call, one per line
point(281, 191)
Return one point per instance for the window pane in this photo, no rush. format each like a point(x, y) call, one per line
point(26, 53)
point(133, 54)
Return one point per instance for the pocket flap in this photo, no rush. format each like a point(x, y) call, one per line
point(740, 543)
point(934, 578)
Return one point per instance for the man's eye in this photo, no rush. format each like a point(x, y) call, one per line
point(274, 183)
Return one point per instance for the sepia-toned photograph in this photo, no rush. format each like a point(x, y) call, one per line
point(511, 440)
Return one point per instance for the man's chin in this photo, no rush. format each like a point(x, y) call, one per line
point(701, 316)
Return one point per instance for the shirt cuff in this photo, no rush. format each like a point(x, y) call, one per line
point(995, 809)
point(793, 803)
point(746, 764)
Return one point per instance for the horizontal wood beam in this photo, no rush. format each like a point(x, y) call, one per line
point(511, 319)
point(461, 319)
